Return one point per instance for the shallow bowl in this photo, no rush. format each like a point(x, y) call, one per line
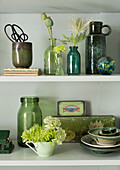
point(104, 139)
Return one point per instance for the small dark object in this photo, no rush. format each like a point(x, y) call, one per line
point(6, 146)
point(15, 36)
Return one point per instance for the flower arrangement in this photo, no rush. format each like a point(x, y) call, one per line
point(49, 23)
point(78, 33)
point(51, 132)
point(60, 48)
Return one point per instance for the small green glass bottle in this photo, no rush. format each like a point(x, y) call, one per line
point(73, 61)
point(49, 59)
point(28, 115)
point(59, 65)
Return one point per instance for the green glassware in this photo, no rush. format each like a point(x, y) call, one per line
point(73, 61)
point(95, 46)
point(59, 65)
point(28, 115)
point(49, 59)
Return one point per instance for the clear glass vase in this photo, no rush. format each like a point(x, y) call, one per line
point(49, 59)
point(59, 65)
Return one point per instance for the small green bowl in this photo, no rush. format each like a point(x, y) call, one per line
point(98, 134)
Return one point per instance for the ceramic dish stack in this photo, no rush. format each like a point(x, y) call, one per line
point(102, 140)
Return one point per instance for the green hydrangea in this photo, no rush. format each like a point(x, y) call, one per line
point(60, 48)
point(49, 132)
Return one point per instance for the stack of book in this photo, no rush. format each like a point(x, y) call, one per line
point(22, 72)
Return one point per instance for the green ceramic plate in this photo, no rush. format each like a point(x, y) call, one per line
point(88, 140)
point(101, 150)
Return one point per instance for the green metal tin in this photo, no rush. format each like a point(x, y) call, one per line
point(81, 125)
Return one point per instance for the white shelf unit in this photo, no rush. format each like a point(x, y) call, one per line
point(80, 78)
point(25, 12)
point(64, 155)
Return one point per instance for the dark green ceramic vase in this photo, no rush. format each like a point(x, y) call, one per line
point(22, 54)
point(95, 46)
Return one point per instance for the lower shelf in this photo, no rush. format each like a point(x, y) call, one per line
point(68, 154)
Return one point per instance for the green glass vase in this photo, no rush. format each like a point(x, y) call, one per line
point(28, 115)
point(59, 65)
point(73, 61)
point(49, 59)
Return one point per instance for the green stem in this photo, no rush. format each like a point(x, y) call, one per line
point(49, 32)
point(75, 38)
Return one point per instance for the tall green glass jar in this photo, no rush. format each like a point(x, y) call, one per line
point(28, 115)
point(73, 61)
point(49, 59)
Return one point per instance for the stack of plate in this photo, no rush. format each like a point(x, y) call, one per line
point(102, 140)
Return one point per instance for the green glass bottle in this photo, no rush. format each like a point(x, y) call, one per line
point(28, 115)
point(73, 61)
point(59, 65)
point(49, 59)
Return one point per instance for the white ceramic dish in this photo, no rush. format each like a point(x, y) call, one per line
point(88, 140)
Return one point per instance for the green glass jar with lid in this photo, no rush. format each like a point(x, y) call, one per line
point(28, 115)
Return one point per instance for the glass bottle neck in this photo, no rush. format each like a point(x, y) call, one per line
point(29, 103)
point(52, 42)
point(73, 48)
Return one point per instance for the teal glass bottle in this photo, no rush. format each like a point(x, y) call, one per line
point(49, 59)
point(28, 115)
point(73, 61)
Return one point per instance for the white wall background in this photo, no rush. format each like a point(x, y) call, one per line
point(102, 98)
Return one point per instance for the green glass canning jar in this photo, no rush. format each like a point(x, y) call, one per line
point(28, 115)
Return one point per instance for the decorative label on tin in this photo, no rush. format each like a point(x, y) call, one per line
point(71, 108)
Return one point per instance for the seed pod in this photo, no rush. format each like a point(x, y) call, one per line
point(43, 16)
point(49, 22)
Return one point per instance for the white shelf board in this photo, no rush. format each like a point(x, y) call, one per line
point(65, 155)
point(80, 78)
point(69, 6)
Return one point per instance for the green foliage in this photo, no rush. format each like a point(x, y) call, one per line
point(50, 132)
point(60, 48)
point(78, 34)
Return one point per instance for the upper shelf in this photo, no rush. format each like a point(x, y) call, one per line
point(64, 6)
point(80, 78)
point(68, 154)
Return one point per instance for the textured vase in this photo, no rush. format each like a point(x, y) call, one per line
point(95, 46)
point(49, 59)
point(22, 54)
point(73, 61)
